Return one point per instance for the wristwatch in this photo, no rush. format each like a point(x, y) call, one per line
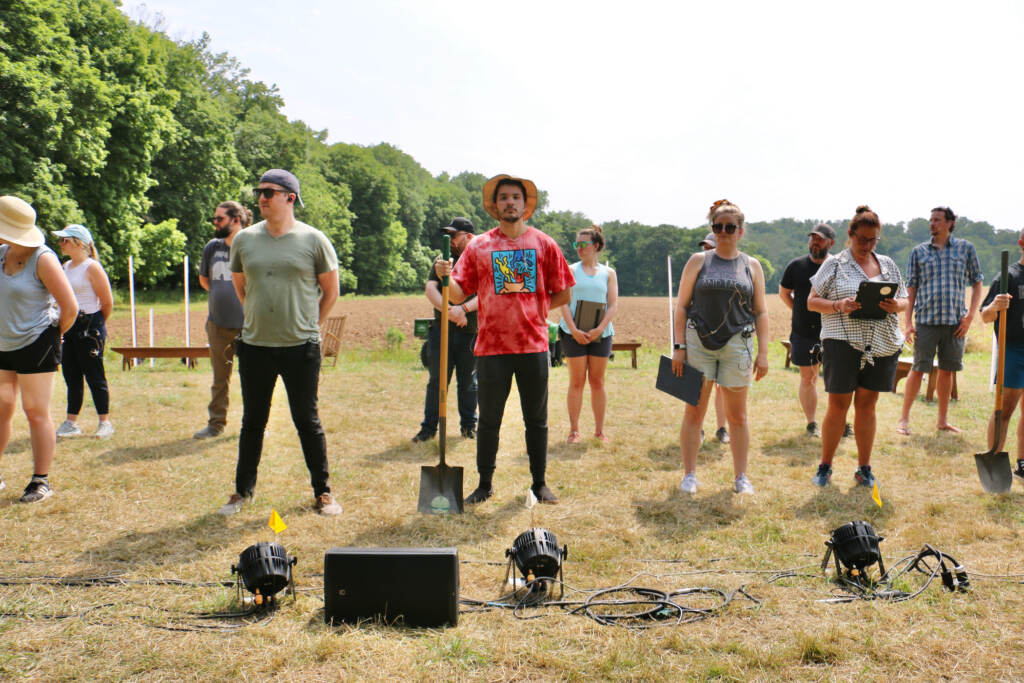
point(679, 347)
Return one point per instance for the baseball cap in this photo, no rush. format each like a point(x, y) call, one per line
point(823, 230)
point(709, 239)
point(285, 179)
point(75, 230)
point(459, 225)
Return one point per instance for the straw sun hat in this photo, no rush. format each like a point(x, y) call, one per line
point(18, 222)
point(491, 185)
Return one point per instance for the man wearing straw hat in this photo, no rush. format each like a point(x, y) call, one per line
point(518, 273)
point(30, 331)
point(286, 276)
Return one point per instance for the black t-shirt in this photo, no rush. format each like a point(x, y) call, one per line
point(1015, 288)
point(798, 278)
point(470, 327)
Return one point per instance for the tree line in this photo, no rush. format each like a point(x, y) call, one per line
point(108, 122)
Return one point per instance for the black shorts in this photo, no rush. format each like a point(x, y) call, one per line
point(803, 350)
point(600, 348)
point(42, 355)
point(841, 367)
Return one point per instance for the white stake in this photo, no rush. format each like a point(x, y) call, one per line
point(151, 361)
point(671, 311)
point(131, 298)
point(186, 301)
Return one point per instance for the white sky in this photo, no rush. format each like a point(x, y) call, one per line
point(650, 111)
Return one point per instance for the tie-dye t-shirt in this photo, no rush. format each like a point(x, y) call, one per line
point(514, 280)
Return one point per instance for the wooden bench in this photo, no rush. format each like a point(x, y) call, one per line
point(189, 353)
point(627, 346)
point(903, 369)
point(786, 343)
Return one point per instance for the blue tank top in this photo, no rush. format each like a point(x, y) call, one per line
point(589, 288)
point(26, 307)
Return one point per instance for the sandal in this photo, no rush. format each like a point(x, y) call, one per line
point(600, 436)
point(574, 437)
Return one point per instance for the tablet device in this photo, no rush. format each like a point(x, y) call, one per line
point(869, 294)
point(686, 387)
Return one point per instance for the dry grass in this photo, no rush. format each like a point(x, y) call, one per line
point(143, 502)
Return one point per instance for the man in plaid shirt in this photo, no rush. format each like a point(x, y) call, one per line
point(938, 272)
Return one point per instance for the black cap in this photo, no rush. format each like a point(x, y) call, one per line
point(285, 179)
point(459, 225)
point(823, 230)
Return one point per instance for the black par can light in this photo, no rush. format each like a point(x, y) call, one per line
point(264, 570)
point(535, 553)
point(855, 547)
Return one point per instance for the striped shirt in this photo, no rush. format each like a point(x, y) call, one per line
point(940, 276)
point(840, 277)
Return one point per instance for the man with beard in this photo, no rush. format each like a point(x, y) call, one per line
point(461, 337)
point(805, 328)
point(518, 273)
point(224, 320)
point(938, 272)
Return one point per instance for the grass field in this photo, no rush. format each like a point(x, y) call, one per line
point(141, 506)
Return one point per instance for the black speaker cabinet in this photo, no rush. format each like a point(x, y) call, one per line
point(399, 586)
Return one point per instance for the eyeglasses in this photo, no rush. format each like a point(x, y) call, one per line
point(580, 245)
point(865, 240)
point(62, 240)
point(729, 228)
point(266, 192)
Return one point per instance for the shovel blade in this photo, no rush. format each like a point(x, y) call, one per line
point(994, 471)
point(440, 490)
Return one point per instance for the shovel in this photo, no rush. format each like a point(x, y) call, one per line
point(441, 486)
point(994, 467)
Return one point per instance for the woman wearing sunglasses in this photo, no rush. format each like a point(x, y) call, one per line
point(82, 353)
point(720, 308)
point(587, 350)
point(859, 356)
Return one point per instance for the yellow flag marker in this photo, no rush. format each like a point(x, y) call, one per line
point(278, 525)
point(876, 496)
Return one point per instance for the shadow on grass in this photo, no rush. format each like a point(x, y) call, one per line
point(164, 451)
point(669, 457)
point(562, 450)
point(1005, 509)
point(839, 504)
point(682, 513)
point(424, 453)
point(18, 446)
point(944, 443)
point(478, 523)
point(799, 451)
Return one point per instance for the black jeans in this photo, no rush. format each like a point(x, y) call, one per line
point(299, 369)
point(82, 356)
point(494, 379)
point(462, 361)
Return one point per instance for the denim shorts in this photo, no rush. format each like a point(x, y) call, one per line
point(1013, 366)
point(730, 366)
point(932, 338)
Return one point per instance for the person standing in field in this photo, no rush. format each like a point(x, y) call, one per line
point(286, 276)
point(805, 326)
point(587, 351)
point(1011, 305)
point(82, 352)
point(720, 307)
point(37, 305)
point(462, 328)
point(707, 244)
point(518, 273)
point(938, 272)
point(224, 321)
point(859, 356)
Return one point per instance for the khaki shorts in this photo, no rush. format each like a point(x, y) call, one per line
point(730, 366)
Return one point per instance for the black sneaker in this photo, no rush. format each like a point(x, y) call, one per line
point(423, 435)
point(813, 429)
point(468, 433)
point(480, 495)
point(848, 430)
point(864, 477)
point(823, 475)
point(36, 491)
point(722, 435)
point(1018, 473)
point(544, 495)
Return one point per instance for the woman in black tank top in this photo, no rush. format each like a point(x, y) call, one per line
point(720, 308)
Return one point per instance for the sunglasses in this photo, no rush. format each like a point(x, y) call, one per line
point(266, 192)
point(217, 219)
point(580, 245)
point(729, 228)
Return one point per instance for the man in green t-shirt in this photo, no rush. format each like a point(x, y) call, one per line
point(286, 275)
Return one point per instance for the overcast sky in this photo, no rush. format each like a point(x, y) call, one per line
point(650, 111)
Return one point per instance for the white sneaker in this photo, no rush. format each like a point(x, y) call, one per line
point(233, 505)
point(743, 484)
point(3, 484)
point(67, 429)
point(689, 483)
point(104, 431)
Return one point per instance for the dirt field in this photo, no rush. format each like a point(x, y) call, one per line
point(643, 319)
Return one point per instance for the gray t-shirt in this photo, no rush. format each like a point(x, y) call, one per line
point(225, 308)
point(26, 307)
point(282, 293)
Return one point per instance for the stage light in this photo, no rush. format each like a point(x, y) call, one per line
point(855, 545)
point(264, 569)
point(536, 554)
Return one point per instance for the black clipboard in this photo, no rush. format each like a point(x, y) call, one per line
point(687, 387)
point(588, 314)
point(869, 295)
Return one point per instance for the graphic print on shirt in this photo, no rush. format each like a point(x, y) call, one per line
point(220, 270)
point(515, 271)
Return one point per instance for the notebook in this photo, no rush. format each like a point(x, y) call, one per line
point(686, 387)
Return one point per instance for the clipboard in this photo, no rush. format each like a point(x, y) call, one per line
point(687, 387)
point(869, 294)
point(588, 314)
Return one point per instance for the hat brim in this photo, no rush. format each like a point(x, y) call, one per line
point(33, 237)
point(491, 208)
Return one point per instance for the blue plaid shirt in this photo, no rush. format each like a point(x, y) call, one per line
point(940, 276)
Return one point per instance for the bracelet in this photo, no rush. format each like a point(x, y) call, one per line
point(679, 347)
point(835, 306)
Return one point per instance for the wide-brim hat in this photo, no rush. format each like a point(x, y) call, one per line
point(18, 222)
point(491, 185)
